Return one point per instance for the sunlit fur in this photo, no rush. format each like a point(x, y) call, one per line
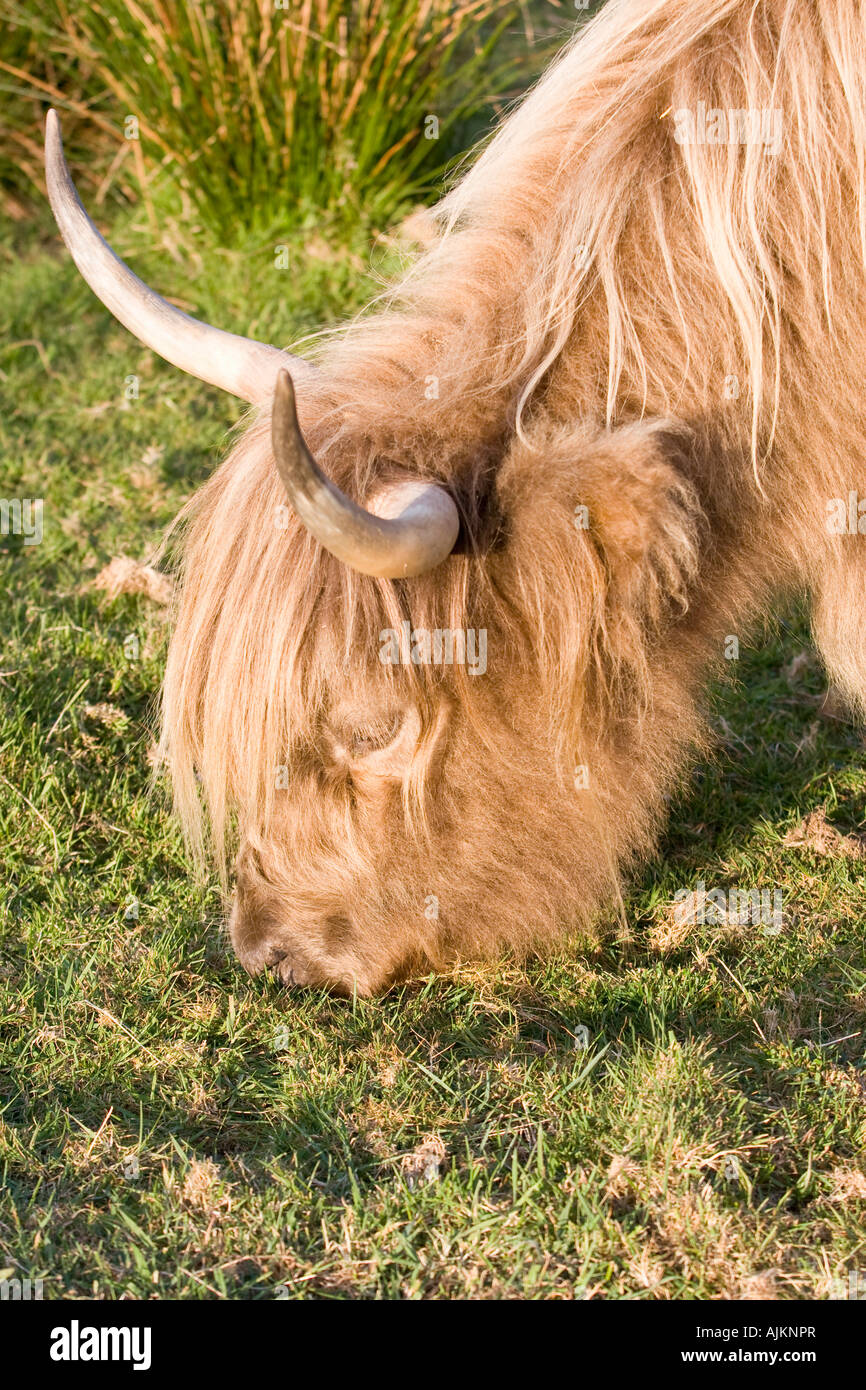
point(596, 287)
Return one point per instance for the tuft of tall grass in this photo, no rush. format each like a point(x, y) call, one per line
point(37, 70)
point(263, 110)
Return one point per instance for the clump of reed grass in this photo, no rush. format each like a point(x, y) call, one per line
point(260, 110)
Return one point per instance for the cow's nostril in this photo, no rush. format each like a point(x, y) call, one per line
point(292, 975)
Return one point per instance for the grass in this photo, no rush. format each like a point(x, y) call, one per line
point(247, 112)
point(659, 1115)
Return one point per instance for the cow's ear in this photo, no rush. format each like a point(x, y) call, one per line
point(645, 518)
point(603, 533)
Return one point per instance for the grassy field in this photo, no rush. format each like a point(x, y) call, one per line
point(663, 1114)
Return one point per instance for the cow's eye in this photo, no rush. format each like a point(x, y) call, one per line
point(369, 738)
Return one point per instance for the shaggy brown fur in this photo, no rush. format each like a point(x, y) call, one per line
point(570, 342)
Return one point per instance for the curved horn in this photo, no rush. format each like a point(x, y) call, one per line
point(417, 527)
point(239, 365)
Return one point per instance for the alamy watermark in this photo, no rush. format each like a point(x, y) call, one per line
point(440, 646)
point(702, 906)
point(77, 1343)
point(846, 516)
point(716, 125)
point(21, 1290)
point(21, 516)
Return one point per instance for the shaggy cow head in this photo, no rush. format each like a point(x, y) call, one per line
point(422, 806)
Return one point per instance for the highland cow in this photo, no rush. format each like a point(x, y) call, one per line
point(601, 420)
